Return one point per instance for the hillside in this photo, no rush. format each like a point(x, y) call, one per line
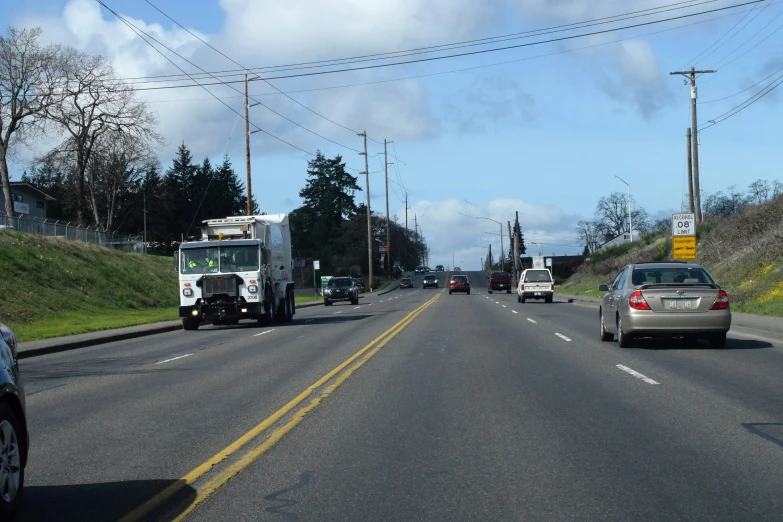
point(743, 252)
point(56, 287)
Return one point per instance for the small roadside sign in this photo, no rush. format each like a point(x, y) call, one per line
point(538, 261)
point(683, 225)
point(396, 262)
point(549, 262)
point(324, 280)
point(684, 247)
point(316, 265)
point(383, 249)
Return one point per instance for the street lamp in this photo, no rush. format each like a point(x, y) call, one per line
point(502, 255)
point(630, 222)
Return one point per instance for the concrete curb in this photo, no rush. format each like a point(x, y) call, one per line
point(61, 344)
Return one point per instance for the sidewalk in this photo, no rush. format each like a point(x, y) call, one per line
point(745, 324)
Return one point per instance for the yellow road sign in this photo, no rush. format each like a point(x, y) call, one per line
point(684, 247)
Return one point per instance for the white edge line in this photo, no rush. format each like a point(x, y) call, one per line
point(532, 321)
point(262, 333)
point(637, 374)
point(504, 306)
point(356, 307)
point(563, 337)
point(174, 358)
point(309, 320)
point(336, 313)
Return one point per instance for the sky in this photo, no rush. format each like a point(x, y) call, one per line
point(541, 129)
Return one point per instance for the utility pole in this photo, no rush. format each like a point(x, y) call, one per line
point(416, 237)
point(369, 215)
point(388, 235)
point(690, 172)
point(145, 221)
point(490, 256)
point(517, 241)
point(695, 136)
point(510, 245)
point(247, 152)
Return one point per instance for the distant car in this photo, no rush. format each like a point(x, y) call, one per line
point(459, 283)
point(406, 283)
point(439, 268)
point(457, 269)
point(535, 283)
point(430, 281)
point(341, 289)
point(421, 270)
point(664, 300)
point(14, 437)
point(499, 281)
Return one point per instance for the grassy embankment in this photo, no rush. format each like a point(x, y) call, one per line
point(743, 252)
point(52, 287)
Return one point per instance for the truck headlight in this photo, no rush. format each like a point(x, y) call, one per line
point(252, 289)
point(188, 292)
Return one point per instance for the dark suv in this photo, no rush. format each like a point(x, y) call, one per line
point(341, 289)
point(429, 280)
point(14, 439)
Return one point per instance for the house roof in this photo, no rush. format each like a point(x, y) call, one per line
point(33, 188)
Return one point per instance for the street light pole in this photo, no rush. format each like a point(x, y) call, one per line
point(501, 239)
point(630, 222)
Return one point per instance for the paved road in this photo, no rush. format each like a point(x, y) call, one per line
point(459, 408)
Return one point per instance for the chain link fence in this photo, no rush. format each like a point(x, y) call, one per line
point(69, 231)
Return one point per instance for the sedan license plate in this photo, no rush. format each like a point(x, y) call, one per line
point(680, 304)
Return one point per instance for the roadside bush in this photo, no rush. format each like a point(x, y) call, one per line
point(610, 252)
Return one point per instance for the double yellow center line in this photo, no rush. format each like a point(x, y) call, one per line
point(347, 367)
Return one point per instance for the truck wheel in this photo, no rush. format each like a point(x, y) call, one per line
point(489, 290)
point(522, 300)
point(281, 310)
point(508, 291)
point(289, 308)
point(326, 302)
point(11, 452)
point(188, 323)
point(548, 300)
point(519, 299)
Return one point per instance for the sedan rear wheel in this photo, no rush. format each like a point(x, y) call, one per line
point(623, 340)
point(11, 470)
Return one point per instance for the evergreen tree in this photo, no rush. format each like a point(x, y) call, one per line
point(177, 190)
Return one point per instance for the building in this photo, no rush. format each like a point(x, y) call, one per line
point(29, 201)
point(610, 241)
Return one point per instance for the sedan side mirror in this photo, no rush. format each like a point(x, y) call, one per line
point(603, 288)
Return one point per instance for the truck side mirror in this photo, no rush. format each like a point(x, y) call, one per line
point(176, 261)
point(603, 288)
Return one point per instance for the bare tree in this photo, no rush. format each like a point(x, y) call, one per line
point(591, 233)
point(95, 103)
point(117, 165)
point(777, 188)
point(612, 212)
point(27, 84)
point(759, 191)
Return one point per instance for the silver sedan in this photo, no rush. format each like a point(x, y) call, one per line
point(664, 300)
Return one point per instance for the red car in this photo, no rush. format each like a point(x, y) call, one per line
point(499, 281)
point(459, 283)
point(406, 283)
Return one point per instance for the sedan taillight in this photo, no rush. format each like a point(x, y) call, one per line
point(637, 301)
point(721, 302)
point(521, 287)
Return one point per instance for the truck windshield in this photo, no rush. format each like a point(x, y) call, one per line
point(238, 258)
point(199, 260)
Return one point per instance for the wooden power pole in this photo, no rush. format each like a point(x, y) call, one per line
point(690, 172)
point(695, 136)
point(247, 152)
point(388, 235)
point(369, 214)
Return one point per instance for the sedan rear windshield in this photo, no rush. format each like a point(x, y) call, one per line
point(671, 275)
point(406, 281)
point(500, 275)
point(537, 276)
point(459, 279)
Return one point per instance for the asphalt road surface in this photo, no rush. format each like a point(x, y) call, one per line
point(415, 405)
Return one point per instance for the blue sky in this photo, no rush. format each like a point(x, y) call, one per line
point(544, 135)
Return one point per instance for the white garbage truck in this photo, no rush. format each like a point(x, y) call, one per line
point(240, 268)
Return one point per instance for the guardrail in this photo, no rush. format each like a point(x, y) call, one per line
point(66, 230)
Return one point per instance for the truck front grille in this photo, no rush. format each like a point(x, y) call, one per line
point(219, 285)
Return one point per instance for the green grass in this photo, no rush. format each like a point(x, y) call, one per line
point(52, 287)
point(77, 323)
point(584, 286)
point(306, 298)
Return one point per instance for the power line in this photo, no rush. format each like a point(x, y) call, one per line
point(744, 105)
point(718, 64)
point(470, 53)
point(435, 48)
point(701, 54)
point(738, 31)
point(743, 90)
point(246, 69)
point(755, 45)
point(232, 87)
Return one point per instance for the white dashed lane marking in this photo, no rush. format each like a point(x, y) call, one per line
point(532, 321)
point(637, 374)
point(563, 337)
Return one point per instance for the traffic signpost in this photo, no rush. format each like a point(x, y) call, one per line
point(683, 236)
point(383, 249)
